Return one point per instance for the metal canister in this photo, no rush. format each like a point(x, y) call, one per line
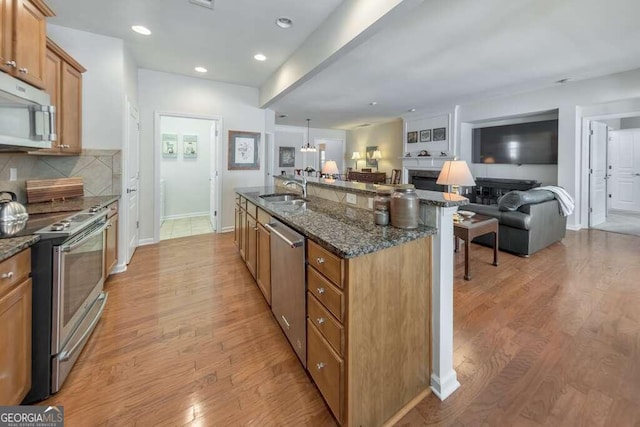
point(405, 208)
point(381, 216)
point(382, 201)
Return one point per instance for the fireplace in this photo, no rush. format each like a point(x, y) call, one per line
point(425, 180)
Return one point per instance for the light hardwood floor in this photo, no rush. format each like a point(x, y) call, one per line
point(187, 339)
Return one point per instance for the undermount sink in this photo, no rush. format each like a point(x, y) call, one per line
point(273, 198)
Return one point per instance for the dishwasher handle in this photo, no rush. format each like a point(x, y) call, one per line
point(272, 227)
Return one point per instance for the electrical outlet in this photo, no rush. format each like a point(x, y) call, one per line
point(13, 174)
point(370, 202)
point(351, 198)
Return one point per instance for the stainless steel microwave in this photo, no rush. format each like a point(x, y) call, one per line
point(27, 120)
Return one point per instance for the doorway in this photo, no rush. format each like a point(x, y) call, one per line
point(187, 184)
point(614, 183)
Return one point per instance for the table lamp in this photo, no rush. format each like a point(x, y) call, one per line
point(355, 156)
point(455, 173)
point(377, 155)
point(330, 168)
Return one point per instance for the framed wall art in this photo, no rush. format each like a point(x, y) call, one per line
point(425, 135)
point(370, 161)
point(439, 134)
point(170, 145)
point(412, 137)
point(190, 146)
point(287, 157)
point(243, 150)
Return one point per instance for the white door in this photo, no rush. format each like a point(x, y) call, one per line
point(625, 170)
point(269, 155)
point(213, 177)
point(597, 174)
point(133, 177)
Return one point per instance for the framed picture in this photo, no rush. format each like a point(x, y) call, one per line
point(243, 150)
point(412, 137)
point(425, 135)
point(439, 134)
point(369, 153)
point(170, 145)
point(190, 146)
point(287, 157)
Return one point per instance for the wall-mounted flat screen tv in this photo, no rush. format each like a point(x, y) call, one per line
point(534, 143)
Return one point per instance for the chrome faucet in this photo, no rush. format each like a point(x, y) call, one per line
point(302, 185)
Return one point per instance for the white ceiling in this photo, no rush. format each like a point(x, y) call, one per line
point(442, 52)
point(223, 40)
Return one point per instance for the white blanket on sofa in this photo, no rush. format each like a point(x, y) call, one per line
point(564, 199)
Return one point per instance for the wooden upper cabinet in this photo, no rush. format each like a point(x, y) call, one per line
point(63, 82)
point(23, 39)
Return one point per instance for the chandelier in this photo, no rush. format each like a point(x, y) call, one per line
point(308, 148)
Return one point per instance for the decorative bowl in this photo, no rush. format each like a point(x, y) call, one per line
point(466, 214)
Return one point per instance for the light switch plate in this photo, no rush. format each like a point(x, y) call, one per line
point(351, 198)
point(370, 202)
point(13, 174)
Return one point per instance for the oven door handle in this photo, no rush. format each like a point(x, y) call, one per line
point(72, 246)
point(66, 355)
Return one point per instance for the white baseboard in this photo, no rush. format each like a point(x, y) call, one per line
point(145, 242)
point(443, 389)
point(189, 215)
point(119, 268)
point(227, 229)
point(574, 227)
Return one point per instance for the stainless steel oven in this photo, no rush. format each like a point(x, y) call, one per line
point(78, 300)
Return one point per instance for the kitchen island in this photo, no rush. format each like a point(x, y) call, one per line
point(369, 300)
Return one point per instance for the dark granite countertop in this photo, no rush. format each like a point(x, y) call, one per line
point(347, 231)
point(433, 198)
point(10, 247)
point(70, 205)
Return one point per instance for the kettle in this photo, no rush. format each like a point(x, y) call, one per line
point(13, 215)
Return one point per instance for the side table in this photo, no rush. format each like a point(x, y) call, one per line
point(469, 229)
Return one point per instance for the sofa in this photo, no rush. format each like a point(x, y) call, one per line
point(528, 221)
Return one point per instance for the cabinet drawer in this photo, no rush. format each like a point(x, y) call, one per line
point(325, 262)
point(330, 296)
point(113, 209)
point(328, 326)
point(251, 209)
point(14, 270)
point(326, 369)
point(263, 217)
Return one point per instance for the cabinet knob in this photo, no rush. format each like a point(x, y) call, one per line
point(11, 64)
point(8, 275)
point(320, 320)
point(23, 70)
point(320, 291)
point(320, 260)
point(320, 365)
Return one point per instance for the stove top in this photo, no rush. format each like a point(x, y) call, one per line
point(57, 224)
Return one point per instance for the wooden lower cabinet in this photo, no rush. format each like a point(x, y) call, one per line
point(251, 249)
point(263, 275)
point(15, 328)
point(111, 245)
point(369, 331)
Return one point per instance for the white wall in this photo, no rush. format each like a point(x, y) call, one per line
point(130, 77)
point(103, 87)
point(236, 105)
point(187, 179)
point(569, 99)
point(428, 123)
point(296, 136)
point(387, 136)
point(630, 123)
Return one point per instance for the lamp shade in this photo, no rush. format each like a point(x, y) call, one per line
point(355, 156)
point(377, 155)
point(455, 172)
point(330, 168)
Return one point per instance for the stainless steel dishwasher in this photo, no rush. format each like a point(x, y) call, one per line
point(288, 285)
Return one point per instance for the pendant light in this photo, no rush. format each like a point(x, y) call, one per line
point(308, 148)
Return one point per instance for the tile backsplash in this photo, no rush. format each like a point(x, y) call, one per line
point(101, 171)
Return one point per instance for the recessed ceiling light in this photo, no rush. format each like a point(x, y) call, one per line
point(411, 110)
point(561, 81)
point(201, 69)
point(282, 116)
point(372, 103)
point(284, 22)
point(260, 57)
point(141, 29)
